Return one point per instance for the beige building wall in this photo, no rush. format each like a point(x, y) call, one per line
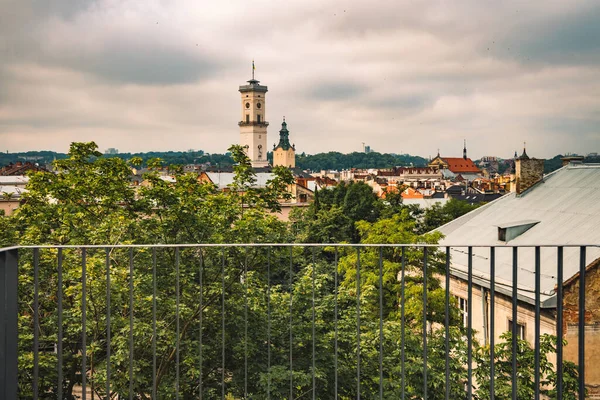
point(8, 206)
point(481, 305)
point(253, 127)
point(285, 158)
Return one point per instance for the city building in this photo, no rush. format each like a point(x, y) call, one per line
point(452, 167)
point(253, 125)
point(284, 154)
point(560, 208)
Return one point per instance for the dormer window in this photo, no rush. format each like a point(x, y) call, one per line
point(512, 230)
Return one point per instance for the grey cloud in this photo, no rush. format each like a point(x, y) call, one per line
point(571, 38)
point(142, 64)
point(334, 91)
point(403, 103)
point(106, 70)
point(65, 34)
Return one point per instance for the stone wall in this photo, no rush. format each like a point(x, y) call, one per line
point(592, 325)
point(528, 172)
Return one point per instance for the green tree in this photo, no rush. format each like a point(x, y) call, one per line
point(89, 201)
point(438, 215)
point(525, 358)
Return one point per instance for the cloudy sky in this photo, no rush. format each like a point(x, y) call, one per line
point(403, 77)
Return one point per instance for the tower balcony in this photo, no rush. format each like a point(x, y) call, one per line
point(253, 123)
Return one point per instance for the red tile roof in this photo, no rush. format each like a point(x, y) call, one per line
point(458, 165)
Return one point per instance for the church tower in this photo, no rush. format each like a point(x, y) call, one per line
point(284, 154)
point(253, 126)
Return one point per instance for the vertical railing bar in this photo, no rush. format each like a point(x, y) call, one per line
point(200, 316)
point(425, 323)
point(223, 324)
point(59, 345)
point(290, 327)
point(269, 323)
point(380, 323)
point(154, 388)
point(131, 323)
point(5, 391)
point(492, 321)
point(314, 353)
point(177, 322)
point(83, 325)
point(447, 324)
point(402, 323)
point(581, 336)
point(335, 323)
point(470, 324)
point(537, 325)
point(107, 267)
point(9, 327)
point(559, 323)
point(36, 322)
point(246, 324)
point(358, 323)
point(515, 271)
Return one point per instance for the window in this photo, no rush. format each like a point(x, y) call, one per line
point(258, 118)
point(463, 306)
point(247, 118)
point(520, 329)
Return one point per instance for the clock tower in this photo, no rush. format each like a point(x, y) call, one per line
point(253, 125)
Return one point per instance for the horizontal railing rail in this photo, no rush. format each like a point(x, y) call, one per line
point(292, 320)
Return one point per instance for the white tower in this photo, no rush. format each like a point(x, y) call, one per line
point(253, 126)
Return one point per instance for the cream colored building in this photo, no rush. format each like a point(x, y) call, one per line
point(284, 154)
point(558, 209)
point(253, 125)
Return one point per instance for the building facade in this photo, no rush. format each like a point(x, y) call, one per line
point(253, 125)
point(560, 208)
point(284, 154)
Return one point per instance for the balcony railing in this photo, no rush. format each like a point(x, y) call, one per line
point(253, 123)
point(272, 321)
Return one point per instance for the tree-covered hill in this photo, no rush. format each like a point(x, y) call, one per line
point(338, 161)
point(332, 160)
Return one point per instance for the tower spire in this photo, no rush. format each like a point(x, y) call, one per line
point(253, 68)
point(465, 149)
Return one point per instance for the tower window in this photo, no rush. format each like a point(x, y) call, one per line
point(247, 118)
point(258, 118)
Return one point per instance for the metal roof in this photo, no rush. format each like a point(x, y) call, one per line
point(567, 205)
point(224, 179)
point(20, 180)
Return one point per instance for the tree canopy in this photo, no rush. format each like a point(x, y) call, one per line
point(237, 321)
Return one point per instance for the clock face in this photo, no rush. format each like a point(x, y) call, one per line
point(247, 105)
point(258, 105)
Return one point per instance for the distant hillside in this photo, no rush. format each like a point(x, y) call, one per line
point(332, 160)
point(338, 161)
point(316, 162)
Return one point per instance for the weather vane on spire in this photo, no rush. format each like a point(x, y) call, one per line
point(253, 68)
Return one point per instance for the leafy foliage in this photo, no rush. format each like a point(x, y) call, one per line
point(234, 321)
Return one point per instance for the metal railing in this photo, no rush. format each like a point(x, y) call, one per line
point(265, 321)
point(253, 123)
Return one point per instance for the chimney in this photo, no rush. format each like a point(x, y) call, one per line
point(571, 160)
point(528, 172)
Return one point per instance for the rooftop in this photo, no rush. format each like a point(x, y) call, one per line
point(566, 205)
